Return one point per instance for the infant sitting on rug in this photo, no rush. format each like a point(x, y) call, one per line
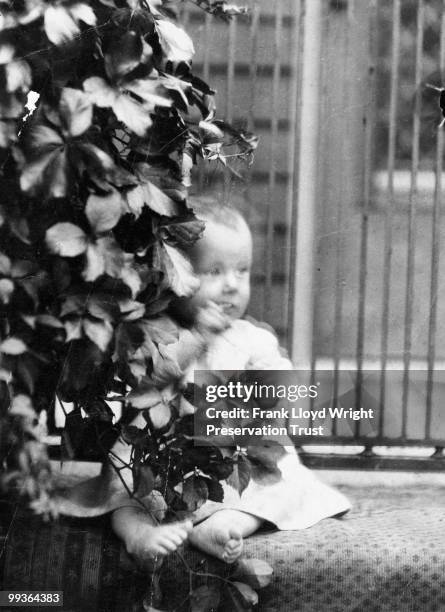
point(222, 260)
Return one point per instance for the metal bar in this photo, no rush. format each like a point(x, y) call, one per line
point(273, 154)
point(231, 69)
point(411, 245)
point(395, 56)
point(375, 462)
point(292, 156)
point(302, 319)
point(435, 252)
point(184, 14)
point(206, 46)
point(367, 178)
point(230, 76)
point(338, 300)
point(342, 440)
point(253, 64)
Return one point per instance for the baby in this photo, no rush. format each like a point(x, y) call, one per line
point(222, 259)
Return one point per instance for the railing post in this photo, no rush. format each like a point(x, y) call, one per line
point(306, 201)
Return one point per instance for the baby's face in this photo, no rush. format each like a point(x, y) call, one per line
point(222, 259)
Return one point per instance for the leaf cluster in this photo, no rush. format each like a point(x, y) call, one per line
point(94, 221)
point(235, 593)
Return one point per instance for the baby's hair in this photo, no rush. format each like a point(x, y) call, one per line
point(211, 209)
point(207, 208)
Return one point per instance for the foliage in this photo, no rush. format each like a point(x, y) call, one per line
point(93, 221)
point(237, 592)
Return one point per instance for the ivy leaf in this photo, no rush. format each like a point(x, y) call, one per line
point(73, 329)
point(106, 257)
point(21, 268)
point(240, 476)
point(160, 415)
point(123, 55)
point(195, 492)
point(255, 572)
point(182, 231)
point(133, 435)
point(128, 339)
point(5, 375)
point(145, 481)
point(81, 369)
point(28, 372)
point(128, 110)
point(205, 598)
point(5, 264)
point(179, 271)
point(6, 290)
point(102, 169)
point(95, 263)
point(144, 397)
point(216, 491)
point(152, 91)
point(137, 367)
point(99, 332)
point(166, 178)
point(179, 89)
point(61, 22)
point(104, 212)
point(76, 111)
point(103, 306)
point(48, 170)
point(131, 278)
point(175, 43)
point(20, 229)
point(33, 284)
point(132, 310)
point(13, 346)
point(74, 304)
point(66, 239)
point(249, 595)
point(49, 321)
point(166, 368)
point(18, 76)
point(161, 330)
point(135, 114)
point(148, 194)
point(233, 601)
point(8, 133)
point(21, 405)
point(210, 133)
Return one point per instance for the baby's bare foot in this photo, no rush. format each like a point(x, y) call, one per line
point(221, 541)
point(151, 541)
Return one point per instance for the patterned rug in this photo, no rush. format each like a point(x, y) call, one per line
point(387, 554)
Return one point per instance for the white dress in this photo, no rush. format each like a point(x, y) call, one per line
point(299, 499)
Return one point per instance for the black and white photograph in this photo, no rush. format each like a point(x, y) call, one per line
point(222, 297)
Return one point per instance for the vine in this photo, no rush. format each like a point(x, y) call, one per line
point(93, 219)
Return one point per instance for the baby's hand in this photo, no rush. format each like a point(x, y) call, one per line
point(211, 317)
